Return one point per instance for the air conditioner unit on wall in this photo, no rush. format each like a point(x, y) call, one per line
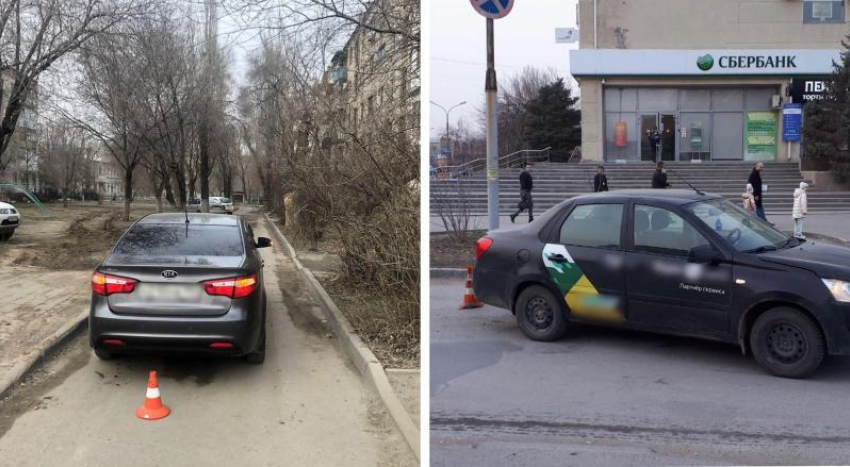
point(775, 102)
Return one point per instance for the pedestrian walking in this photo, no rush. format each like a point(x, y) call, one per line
point(800, 209)
point(749, 200)
point(600, 181)
point(526, 184)
point(758, 188)
point(659, 178)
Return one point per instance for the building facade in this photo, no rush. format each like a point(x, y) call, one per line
point(714, 80)
point(376, 74)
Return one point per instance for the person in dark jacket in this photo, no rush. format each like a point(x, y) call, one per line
point(755, 181)
point(659, 178)
point(600, 181)
point(526, 184)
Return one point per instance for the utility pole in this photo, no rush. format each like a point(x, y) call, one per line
point(490, 89)
point(492, 9)
point(448, 138)
point(205, 130)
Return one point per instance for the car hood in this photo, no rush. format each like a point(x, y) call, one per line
point(826, 260)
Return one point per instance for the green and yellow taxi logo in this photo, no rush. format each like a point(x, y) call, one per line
point(705, 62)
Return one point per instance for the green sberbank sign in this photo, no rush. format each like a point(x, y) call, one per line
point(749, 61)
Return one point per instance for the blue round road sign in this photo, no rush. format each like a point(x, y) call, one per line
point(494, 9)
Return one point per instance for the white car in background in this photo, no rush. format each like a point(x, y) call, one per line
point(10, 219)
point(218, 204)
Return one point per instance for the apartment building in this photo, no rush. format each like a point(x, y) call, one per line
point(718, 80)
point(22, 168)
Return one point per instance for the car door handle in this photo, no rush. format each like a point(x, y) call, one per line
point(558, 258)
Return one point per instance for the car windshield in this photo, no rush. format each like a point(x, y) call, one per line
point(739, 228)
point(225, 200)
point(179, 240)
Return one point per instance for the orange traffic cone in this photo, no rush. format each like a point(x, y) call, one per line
point(152, 408)
point(469, 300)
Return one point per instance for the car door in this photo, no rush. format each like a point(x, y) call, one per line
point(664, 289)
point(585, 259)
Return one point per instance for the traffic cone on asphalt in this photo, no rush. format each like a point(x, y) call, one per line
point(469, 300)
point(152, 408)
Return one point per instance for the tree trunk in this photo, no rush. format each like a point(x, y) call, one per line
point(169, 194)
point(65, 197)
point(128, 192)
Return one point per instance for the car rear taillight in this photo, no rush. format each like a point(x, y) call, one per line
point(106, 284)
point(482, 245)
point(237, 287)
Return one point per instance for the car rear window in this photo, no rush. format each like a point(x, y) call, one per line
point(159, 240)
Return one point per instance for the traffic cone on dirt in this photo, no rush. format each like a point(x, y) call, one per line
point(469, 300)
point(152, 408)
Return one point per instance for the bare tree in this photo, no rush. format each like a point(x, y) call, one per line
point(34, 34)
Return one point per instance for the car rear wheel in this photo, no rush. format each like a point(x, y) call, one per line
point(539, 314)
point(258, 356)
point(103, 354)
point(786, 342)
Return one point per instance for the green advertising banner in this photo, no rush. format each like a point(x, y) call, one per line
point(760, 133)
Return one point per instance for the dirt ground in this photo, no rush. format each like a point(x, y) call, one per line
point(46, 266)
point(449, 253)
point(370, 316)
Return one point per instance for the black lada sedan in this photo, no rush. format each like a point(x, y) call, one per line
point(675, 262)
point(181, 283)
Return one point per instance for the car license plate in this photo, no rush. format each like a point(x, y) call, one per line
point(13, 218)
point(189, 293)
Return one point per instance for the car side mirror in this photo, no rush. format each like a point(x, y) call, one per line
point(704, 254)
point(263, 242)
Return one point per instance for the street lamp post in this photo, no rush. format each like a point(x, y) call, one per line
point(447, 112)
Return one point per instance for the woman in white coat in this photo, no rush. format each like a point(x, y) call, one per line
point(800, 209)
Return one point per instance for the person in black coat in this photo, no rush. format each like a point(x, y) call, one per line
point(600, 181)
point(755, 181)
point(659, 178)
point(526, 184)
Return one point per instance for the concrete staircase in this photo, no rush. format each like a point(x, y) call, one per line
point(555, 182)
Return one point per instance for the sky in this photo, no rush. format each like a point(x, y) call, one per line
point(459, 55)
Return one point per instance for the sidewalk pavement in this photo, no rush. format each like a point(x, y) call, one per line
point(835, 225)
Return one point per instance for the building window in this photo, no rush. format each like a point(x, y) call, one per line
point(823, 11)
point(381, 53)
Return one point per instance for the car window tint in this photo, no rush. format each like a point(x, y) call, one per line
point(659, 230)
point(593, 225)
point(158, 240)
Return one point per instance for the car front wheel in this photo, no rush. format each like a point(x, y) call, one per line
point(786, 342)
point(540, 315)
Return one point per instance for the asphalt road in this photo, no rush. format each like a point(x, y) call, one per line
point(306, 406)
point(608, 397)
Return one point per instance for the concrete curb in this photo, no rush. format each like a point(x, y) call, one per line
point(44, 348)
point(359, 353)
point(448, 273)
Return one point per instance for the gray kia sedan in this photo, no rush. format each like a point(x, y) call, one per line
point(181, 283)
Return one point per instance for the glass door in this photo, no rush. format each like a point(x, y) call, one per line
point(648, 140)
point(668, 137)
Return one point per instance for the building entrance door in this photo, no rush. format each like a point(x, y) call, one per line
point(665, 126)
point(668, 137)
point(648, 123)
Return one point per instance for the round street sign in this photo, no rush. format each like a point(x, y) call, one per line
point(494, 9)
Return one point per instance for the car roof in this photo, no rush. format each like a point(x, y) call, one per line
point(194, 219)
point(667, 195)
point(5, 205)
